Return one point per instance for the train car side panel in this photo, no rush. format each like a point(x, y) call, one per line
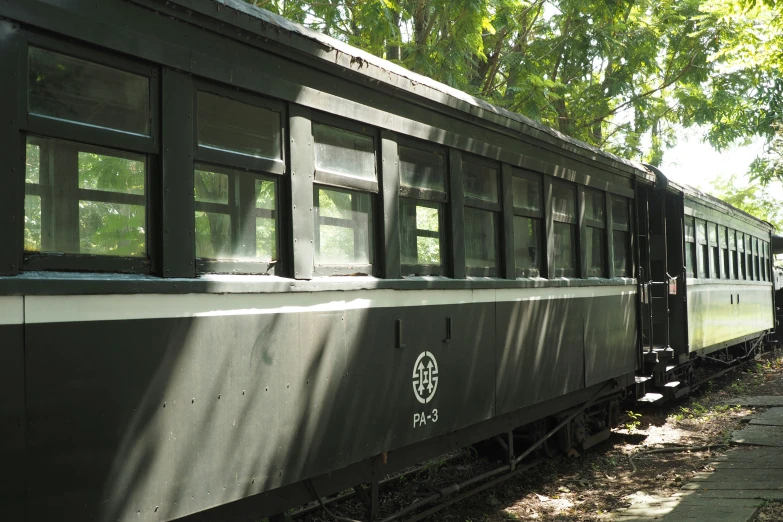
point(719, 313)
point(610, 337)
point(12, 417)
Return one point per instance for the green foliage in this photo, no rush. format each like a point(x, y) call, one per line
point(633, 421)
point(752, 198)
point(622, 75)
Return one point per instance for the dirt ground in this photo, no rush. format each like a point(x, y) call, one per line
point(589, 486)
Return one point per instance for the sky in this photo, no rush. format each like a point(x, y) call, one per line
point(697, 164)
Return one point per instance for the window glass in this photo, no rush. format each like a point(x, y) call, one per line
point(621, 261)
point(690, 259)
point(91, 200)
point(236, 216)
point(722, 238)
point(620, 212)
point(213, 235)
point(527, 246)
point(420, 236)
point(712, 230)
point(526, 193)
point(265, 194)
point(76, 90)
point(211, 187)
point(564, 258)
point(480, 182)
point(594, 206)
point(563, 202)
point(344, 152)
point(595, 249)
point(690, 232)
point(481, 238)
point(422, 169)
point(342, 227)
point(230, 125)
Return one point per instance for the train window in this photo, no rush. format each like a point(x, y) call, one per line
point(766, 261)
point(482, 217)
point(236, 215)
point(343, 225)
point(733, 254)
point(621, 236)
point(564, 229)
point(421, 238)
point(75, 90)
point(81, 199)
point(235, 187)
point(701, 239)
point(528, 222)
point(756, 264)
point(714, 251)
point(526, 192)
point(344, 152)
point(742, 268)
point(481, 182)
point(723, 243)
point(749, 256)
point(422, 241)
point(690, 247)
point(229, 125)
point(422, 170)
point(595, 232)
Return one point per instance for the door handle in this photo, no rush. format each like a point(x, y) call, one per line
point(399, 334)
point(448, 330)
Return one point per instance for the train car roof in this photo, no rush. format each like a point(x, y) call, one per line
point(336, 53)
point(705, 199)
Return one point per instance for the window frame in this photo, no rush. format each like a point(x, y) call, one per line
point(587, 222)
point(338, 179)
point(239, 160)
point(430, 199)
point(618, 227)
point(702, 247)
point(550, 184)
point(691, 271)
point(331, 269)
point(733, 256)
point(86, 136)
point(231, 163)
point(484, 205)
point(531, 214)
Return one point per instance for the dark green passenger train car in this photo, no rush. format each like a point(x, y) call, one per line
point(241, 262)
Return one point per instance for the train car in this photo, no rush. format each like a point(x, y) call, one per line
point(709, 286)
point(244, 264)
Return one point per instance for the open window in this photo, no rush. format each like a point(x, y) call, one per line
point(482, 217)
point(236, 175)
point(423, 199)
point(528, 223)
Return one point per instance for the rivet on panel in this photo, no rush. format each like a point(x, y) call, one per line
point(193, 400)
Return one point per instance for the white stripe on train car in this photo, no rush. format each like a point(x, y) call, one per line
point(11, 310)
point(75, 308)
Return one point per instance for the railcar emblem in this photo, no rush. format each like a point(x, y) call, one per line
point(425, 377)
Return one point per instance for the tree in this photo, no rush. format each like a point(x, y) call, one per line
point(753, 198)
